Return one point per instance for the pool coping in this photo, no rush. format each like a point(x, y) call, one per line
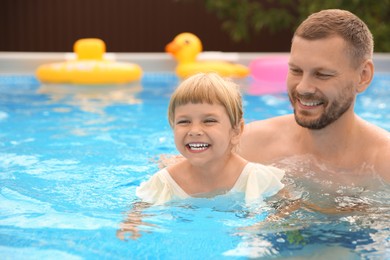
point(27, 62)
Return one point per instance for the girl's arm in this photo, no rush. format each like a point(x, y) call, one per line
point(129, 228)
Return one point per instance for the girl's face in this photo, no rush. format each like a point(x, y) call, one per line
point(203, 133)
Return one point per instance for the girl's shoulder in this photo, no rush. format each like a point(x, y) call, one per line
point(160, 188)
point(268, 171)
point(258, 180)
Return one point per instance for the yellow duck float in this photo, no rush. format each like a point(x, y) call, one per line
point(185, 47)
point(89, 67)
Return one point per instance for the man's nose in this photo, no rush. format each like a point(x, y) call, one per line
point(305, 85)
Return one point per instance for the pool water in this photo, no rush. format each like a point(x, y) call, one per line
point(72, 156)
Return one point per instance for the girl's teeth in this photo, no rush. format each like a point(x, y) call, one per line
point(198, 146)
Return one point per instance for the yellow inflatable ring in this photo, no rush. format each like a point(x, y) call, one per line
point(89, 67)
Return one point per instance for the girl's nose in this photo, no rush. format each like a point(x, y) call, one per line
point(195, 131)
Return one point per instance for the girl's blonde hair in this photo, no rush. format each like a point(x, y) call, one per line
point(208, 88)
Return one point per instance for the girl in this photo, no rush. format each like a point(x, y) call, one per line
point(205, 113)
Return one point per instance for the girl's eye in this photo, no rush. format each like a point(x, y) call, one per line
point(183, 122)
point(210, 121)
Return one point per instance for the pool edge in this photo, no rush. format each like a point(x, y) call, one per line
point(28, 62)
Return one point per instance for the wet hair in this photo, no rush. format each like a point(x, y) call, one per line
point(335, 22)
point(208, 88)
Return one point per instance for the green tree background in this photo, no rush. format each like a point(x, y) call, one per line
point(244, 19)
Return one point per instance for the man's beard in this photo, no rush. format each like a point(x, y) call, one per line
point(332, 112)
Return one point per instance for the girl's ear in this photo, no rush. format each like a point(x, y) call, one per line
point(237, 131)
point(366, 74)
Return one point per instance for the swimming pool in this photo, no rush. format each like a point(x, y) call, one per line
point(71, 157)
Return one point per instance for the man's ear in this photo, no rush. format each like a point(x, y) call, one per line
point(366, 73)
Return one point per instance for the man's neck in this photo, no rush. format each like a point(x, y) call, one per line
point(333, 140)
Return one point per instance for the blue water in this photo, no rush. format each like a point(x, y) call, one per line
point(71, 157)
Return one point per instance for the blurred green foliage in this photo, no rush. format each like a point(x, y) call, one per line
point(242, 19)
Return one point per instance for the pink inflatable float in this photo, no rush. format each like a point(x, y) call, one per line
point(269, 75)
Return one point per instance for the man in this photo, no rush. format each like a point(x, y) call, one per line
point(330, 63)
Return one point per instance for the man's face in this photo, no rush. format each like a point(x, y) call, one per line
point(321, 81)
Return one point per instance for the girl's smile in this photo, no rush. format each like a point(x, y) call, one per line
point(203, 132)
point(197, 147)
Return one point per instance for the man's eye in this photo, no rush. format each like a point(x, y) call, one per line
point(295, 71)
point(323, 75)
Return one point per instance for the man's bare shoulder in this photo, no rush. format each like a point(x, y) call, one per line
point(262, 139)
point(269, 125)
point(377, 143)
point(374, 136)
point(382, 163)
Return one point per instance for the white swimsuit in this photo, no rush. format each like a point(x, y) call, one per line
point(257, 181)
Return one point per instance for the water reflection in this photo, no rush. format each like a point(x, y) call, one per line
point(93, 99)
